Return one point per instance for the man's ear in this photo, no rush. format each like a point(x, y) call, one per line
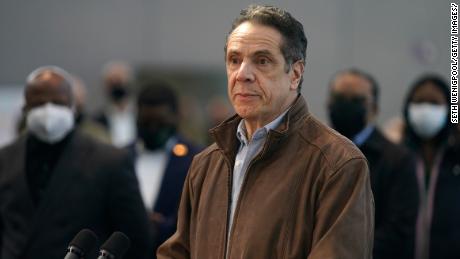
point(296, 73)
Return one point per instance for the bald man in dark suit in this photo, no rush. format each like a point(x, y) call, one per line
point(55, 181)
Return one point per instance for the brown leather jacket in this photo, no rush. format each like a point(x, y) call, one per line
point(305, 195)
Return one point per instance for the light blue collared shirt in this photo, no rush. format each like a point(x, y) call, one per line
point(363, 135)
point(246, 153)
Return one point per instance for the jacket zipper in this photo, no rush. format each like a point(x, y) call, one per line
point(228, 237)
point(229, 200)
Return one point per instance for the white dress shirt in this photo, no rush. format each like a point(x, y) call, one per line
point(150, 170)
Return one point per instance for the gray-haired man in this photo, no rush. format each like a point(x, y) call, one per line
point(277, 183)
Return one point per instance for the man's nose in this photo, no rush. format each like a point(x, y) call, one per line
point(245, 72)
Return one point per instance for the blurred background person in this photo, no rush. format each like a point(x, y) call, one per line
point(163, 157)
point(432, 137)
point(55, 181)
point(118, 116)
point(85, 123)
point(353, 108)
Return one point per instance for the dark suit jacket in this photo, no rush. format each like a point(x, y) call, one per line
point(93, 186)
point(170, 191)
point(394, 186)
point(445, 224)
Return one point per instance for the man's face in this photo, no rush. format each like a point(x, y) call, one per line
point(259, 87)
point(354, 88)
point(155, 124)
point(47, 88)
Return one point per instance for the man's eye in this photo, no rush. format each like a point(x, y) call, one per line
point(263, 61)
point(233, 60)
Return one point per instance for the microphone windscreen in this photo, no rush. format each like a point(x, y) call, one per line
point(117, 244)
point(84, 240)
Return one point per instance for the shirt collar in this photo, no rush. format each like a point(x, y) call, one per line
point(363, 135)
point(259, 133)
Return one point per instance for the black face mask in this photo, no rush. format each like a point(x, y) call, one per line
point(157, 139)
point(118, 92)
point(348, 115)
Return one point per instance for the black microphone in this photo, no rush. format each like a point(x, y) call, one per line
point(115, 247)
point(81, 244)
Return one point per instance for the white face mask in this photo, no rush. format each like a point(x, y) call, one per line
point(50, 122)
point(427, 119)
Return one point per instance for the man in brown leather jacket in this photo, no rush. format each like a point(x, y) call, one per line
point(277, 183)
